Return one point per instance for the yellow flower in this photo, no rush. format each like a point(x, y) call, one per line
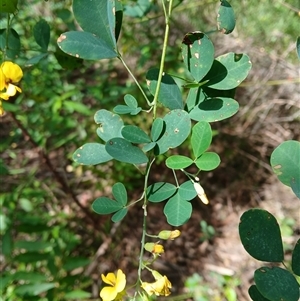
point(10, 74)
point(161, 287)
point(154, 248)
point(118, 285)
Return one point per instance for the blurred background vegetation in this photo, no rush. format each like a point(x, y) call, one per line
point(53, 246)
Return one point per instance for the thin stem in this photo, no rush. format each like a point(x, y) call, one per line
point(135, 80)
point(175, 177)
point(163, 56)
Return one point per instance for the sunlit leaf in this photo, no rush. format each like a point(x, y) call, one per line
point(160, 191)
point(226, 18)
point(201, 138)
point(178, 162)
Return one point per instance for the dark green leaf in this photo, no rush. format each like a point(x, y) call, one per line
point(298, 47)
point(201, 137)
point(130, 101)
point(30, 257)
point(110, 125)
point(104, 205)
point(160, 191)
point(276, 284)
point(177, 211)
point(33, 289)
point(119, 215)
point(122, 150)
point(157, 129)
point(214, 109)
point(91, 154)
point(134, 134)
point(178, 126)
point(198, 54)
point(208, 161)
point(228, 71)
point(33, 245)
point(296, 259)
point(29, 276)
point(66, 61)
point(7, 243)
point(226, 18)
point(85, 45)
point(120, 194)
point(169, 93)
point(140, 9)
point(36, 59)
point(12, 45)
point(41, 33)
point(255, 294)
point(178, 162)
point(187, 191)
point(75, 262)
point(119, 18)
point(285, 162)
point(260, 235)
point(97, 17)
point(8, 6)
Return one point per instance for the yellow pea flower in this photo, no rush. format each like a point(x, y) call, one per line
point(10, 75)
point(117, 283)
point(161, 287)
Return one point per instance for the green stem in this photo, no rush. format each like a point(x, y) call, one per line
point(163, 56)
point(141, 265)
point(135, 80)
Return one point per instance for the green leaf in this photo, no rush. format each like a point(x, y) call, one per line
point(198, 54)
point(119, 215)
point(157, 129)
point(66, 61)
point(296, 259)
point(85, 45)
point(30, 257)
point(8, 6)
point(160, 191)
point(77, 294)
point(169, 93)
point(178, 126)
point(110, 125)
point(122, 150)
point(255, 294)
point(276, 284)
point(33, 245)
point(33, 289)
point(130, 101)
point(13, 46)
point(178, 162)
point(134, 134)
point(208, 161)
point(118, 18)
point(260, 235)
point(36, 59)
point(140, 9)
point(98, 18)
point(29, 276)
point(104, 205)
point(73, 263)
point(7, 243)
point(41, 33)
point(201, 137)
point(91, 154)
point(226, 18)
point(214, 109)
point(228, 71)
point(298, 47)
point(177, 211)
point(195, 96)
point(149, 146)
point(285, 162)
point(120, 194)
point(187, 191)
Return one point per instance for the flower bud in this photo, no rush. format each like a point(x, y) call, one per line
point(201, 193)
point(167, 234)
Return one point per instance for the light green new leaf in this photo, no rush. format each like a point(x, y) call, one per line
point(91, 154)
point(41, 33)
point(77, 295)
point(208, 161)
point(178, 162)
point(120, 194)
point(104, 205)
point(97, 17)
point(276, 284)
point(34, 289)
point(201, 137)
point(226, 18)
point(169, 93)
point(160, 191)
point(134, 134)
point(285, 162)
point(178, 126)
point(85, 45)
point(122, 150)
point(260, 235)
point(198, 54)
point(228, 71)
point(110, 125)
point(187, 191)
point(177, 211)
point(214, 109)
